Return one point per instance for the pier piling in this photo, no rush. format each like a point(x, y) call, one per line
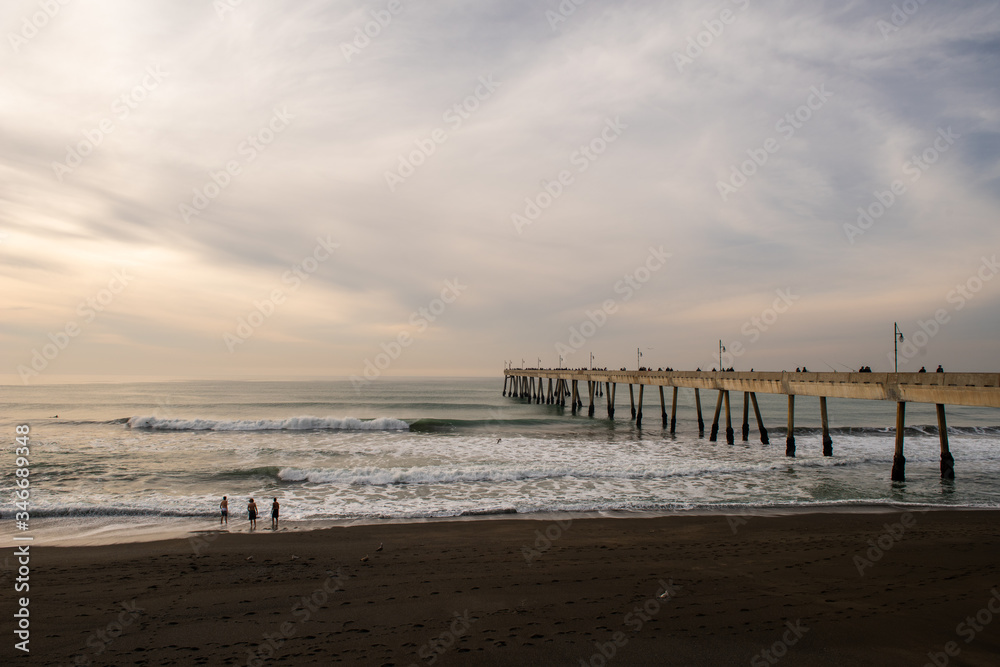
point(947, 462)
point(827, 441)
point(898, 460)
point(591, 386)
point(729, 423)
point(790, 438)
point(663, 407)
point(746, 411)
point(673, 412)
point(697, 403)
point(714, 435)
point(631, 398)
point(638, 414)
point(760, 422)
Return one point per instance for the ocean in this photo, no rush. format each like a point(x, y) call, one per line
point(430, 448)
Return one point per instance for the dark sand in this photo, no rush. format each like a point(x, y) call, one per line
point(732, 594)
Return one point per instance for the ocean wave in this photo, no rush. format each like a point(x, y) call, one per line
point(437, 425)
point(291, 424)
point(116, 510)
point(473, 474)
point(909, 430)
point(570, 510)
point(270, 472)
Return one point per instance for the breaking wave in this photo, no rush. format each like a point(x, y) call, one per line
point(290, 424)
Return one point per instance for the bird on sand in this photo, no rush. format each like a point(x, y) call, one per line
point(379, 547)
point(365, 559)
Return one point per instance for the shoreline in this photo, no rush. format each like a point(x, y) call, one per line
point(88, 531)
point(682, 589)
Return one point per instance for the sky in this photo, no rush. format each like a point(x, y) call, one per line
point(273, 189)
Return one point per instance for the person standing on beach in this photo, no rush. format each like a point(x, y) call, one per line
point(252, 513)
point(224, 506)
point(274, 515)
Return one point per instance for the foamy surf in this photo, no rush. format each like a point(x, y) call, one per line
point(290, 424)
point(486, 473)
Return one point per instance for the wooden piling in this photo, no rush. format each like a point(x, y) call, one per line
point(746, 414)
point(715, 420)
point(663, 407)
point(697, 404)
point(898, 460)
point(790, 436)
point(673, 412)
point(827, 440)
point(631, 398)
point(505, 378)
point(638, 415)
point(574, 395)
point(764, 439)
point(591, 387)
point(729, 423)
point(947, 462)
point(607, 394)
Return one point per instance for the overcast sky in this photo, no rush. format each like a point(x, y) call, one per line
point(197, 189)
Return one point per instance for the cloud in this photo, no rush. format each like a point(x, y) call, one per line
point(351, 120)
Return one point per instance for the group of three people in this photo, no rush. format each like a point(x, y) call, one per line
point(251, 513)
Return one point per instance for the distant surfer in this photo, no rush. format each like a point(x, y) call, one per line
point(252, 513)
point(224, 506)
point(498, 440)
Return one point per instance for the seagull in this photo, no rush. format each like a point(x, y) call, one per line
point(379, 547)
point(249, 557)
point(365, 559)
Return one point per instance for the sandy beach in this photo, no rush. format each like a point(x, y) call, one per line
point(873, 588)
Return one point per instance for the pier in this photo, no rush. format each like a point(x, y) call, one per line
point(557, 386)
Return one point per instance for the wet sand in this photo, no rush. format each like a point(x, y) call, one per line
point(809, 589)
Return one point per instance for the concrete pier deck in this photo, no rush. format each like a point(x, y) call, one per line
point(973, 389)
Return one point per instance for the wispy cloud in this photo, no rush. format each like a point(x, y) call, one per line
point(657, 184)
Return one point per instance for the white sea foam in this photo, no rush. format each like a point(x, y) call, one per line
point(304, 423)
point(487, 473)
